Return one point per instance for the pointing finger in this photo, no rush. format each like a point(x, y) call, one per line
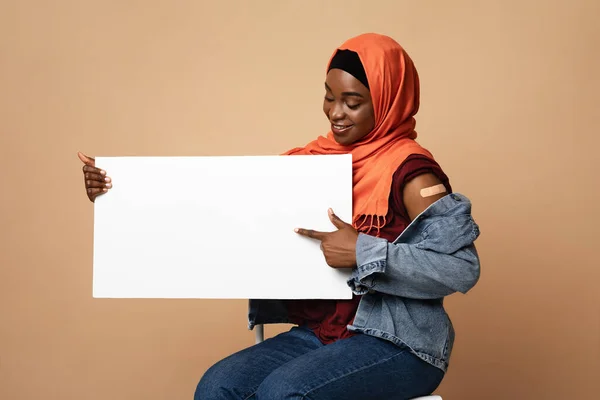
point(311, 233)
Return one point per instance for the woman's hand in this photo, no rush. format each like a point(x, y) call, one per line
point(95, 179)
point(339, 247)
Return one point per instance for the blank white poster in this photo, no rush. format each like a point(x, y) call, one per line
point(219, 227)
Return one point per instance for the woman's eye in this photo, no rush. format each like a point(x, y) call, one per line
point(353, 106)
point(328, 99)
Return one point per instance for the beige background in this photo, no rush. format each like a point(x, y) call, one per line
point(510, 93)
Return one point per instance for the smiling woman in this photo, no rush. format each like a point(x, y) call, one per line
point(408, 246)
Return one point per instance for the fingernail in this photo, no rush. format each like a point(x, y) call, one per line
point(331, 211)
point(105, 190)
point(108, 185)
point(296, 230)
point(107, 179)
point(102, 172)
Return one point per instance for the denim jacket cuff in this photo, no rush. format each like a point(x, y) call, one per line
point(371, 256)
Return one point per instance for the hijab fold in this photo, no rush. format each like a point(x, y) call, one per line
point(394, 86)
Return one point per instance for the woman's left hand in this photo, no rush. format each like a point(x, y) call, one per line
point(339, 247)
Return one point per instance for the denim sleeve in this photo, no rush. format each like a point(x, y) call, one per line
point(442, 262)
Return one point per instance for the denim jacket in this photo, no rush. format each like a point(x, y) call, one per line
point(403, 283)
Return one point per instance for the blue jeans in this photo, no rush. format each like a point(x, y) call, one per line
point(296, 365)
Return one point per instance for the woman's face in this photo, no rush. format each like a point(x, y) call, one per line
point(348, 106)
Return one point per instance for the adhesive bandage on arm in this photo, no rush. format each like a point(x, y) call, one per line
point(433, 190)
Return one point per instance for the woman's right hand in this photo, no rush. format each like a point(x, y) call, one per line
point(95, 179)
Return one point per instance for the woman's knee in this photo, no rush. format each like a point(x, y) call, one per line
point(219, 383)
point(208, 384)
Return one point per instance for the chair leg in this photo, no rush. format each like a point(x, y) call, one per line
point(259, 333)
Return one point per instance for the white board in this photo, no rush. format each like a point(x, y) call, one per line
point(219, 227)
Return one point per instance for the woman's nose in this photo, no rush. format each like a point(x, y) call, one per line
point(336, 112)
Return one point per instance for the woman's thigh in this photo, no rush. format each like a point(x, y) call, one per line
point(239, 375)
point(361, 367)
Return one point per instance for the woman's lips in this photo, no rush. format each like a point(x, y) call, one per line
point(340, 129)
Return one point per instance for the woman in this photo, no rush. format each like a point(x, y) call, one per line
point(410, 243)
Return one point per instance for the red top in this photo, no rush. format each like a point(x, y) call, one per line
point(328, 318)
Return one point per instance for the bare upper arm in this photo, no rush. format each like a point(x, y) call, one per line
point(414, 202)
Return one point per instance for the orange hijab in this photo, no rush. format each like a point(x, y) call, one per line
point(394, 87)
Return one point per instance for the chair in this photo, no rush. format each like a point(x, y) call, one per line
point(259, 335)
